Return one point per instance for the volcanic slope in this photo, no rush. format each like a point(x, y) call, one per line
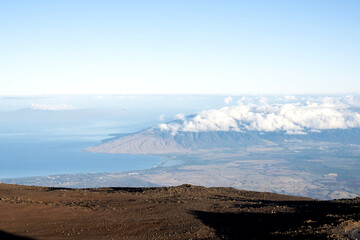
point(155, 141)
point(183, 212)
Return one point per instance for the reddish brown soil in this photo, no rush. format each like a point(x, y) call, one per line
point(183, 212)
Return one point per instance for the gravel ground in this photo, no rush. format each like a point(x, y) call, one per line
point(183, 212)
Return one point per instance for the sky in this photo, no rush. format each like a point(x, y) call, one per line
point(179, 47)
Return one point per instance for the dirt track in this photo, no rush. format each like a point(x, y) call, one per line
point(183, 212)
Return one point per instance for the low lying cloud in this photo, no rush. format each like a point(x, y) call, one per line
point(162, 117)
point(180, 116)
point(48, 107)
point(289, 97)
point(228, 100)
point(292, 118)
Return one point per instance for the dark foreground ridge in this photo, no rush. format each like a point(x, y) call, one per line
point(182, 212)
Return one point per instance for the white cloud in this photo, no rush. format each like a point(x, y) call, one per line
point(48, 107)
point(228, 100)
point(331, 175)
point(293, 118)
point(130, 97)
point(162, 117)
point(289, 97)
point(180, 116)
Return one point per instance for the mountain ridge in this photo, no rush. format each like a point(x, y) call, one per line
point(155, 141)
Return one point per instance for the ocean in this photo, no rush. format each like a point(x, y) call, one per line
point(30, 154)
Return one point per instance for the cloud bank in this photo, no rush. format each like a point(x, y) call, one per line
point(48, 107)
point(228, 100)
point(292, 118)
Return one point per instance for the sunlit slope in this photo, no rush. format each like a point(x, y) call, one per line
point(152, 141)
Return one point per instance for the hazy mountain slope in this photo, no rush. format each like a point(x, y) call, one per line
point(139, 143)
point(154, 141)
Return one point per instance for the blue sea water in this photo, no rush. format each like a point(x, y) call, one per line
point(34, 157)
point(59, 150)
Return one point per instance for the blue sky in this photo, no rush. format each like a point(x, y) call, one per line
point(179, 47)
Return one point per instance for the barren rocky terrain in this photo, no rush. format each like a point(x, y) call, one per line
point(182, 212)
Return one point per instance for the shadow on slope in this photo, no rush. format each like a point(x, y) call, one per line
point(4, 235)
point(264, 221)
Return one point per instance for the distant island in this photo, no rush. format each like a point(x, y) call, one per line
point(314, 156)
